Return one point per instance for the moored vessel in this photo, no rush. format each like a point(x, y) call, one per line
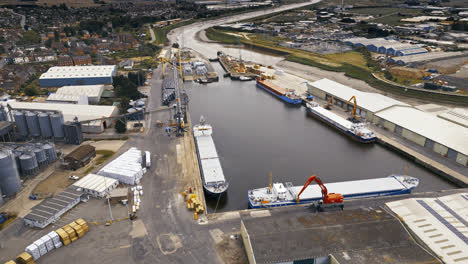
point(214, 182)
point(286, 95)
point(286, 194)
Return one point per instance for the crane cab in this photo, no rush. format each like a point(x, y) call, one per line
point(279, 190)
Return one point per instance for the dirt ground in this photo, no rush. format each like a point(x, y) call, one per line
point(231, 249)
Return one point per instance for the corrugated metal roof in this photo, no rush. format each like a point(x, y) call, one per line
point(441, 223)
point(456, 115)
point(88, 90)
point(69, 111)
point(79, 71)
point(369, 101)
point(81, 152)
point(439, 130)
point(64, 97)
point(95, 182)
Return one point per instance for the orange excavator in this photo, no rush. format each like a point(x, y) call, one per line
point(328, 199)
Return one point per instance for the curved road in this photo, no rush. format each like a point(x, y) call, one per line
point(187, 36)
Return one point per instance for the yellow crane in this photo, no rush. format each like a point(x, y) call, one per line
point(329, 103)
point(353, 112)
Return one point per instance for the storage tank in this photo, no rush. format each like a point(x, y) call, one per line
point(21, 125)
point(33, 124)
point(50, 152)
point(28, 164)
point(41, 156)
point(73, 133)
point(1, 196)
point(45, 125)
point(3, 114)
point(57, 125)
point(10, 182)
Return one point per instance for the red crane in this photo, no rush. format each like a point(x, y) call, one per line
point(330, 199)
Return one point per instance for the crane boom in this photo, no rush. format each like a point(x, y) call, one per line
point(327, 198)
point(353, 112)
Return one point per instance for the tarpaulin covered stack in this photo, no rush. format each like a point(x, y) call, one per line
point(126, 168)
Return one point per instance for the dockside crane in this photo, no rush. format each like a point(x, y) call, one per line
point(310, 97)
point(353, 112)
point(328, 199)
point(328, 104)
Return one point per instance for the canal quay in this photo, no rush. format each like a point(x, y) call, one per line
point(255, 134)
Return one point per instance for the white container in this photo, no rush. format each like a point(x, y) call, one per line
point(141, 193)
point(33, 250)
point(133, 208)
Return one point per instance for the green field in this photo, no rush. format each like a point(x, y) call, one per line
point(387, 15)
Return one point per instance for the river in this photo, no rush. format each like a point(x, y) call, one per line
point(255, 134)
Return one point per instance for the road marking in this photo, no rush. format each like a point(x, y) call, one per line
point(125, 246)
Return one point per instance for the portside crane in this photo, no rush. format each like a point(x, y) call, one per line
point(328, 199)
point(328, 104)
point(310, 97)
point(353, 112)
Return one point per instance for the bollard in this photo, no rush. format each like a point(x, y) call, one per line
point(195, 216)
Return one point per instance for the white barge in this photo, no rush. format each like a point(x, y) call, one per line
point(357, 131)
point(211, 171)
point(285, 194)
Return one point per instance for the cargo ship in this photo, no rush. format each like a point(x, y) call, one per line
point(357, 131)
point(211, 171)
point(285, 194)
point(284, 94)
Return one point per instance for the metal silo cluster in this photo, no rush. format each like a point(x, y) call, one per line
point(31, 157)
point(39, 124)
point(3, 114)
point(10, 182)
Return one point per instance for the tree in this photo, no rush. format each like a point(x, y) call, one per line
point(30, 37)
point(124, 104)
point(137, 78)
point(30, 90)
point(48, 43)
point(120, 126)
point(56, 35)
point(123, 87)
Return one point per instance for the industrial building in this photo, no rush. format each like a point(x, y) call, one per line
point(351, 236)
point(67, 99)
point(386, 46)
point(96, 185)
point(422, 58)
point(439, 222)
point(79, 157)
point(118, 195)
point(31, 157)
point(50, 210)
point(78, 75)
point(69, 112)
point(440, 135)
point(72, 94)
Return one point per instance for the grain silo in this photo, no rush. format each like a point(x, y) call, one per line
point(3, 114)
point(45, 125)
point(50, 152)
point(57, 125)
point(10, 182)
point(21, 125)
point(28, 164)
point(41, 156)
point(73, 133)
point(1, 196)
point(33, 124)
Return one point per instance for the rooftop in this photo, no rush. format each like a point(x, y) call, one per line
point(89, 90)
point(370, 101)
point(351, 236)
point(439, 130)
point(69, 111)
point(95, 182)
point(81, 152)
point(441, 223)
point(67, 98)
point(79, 71)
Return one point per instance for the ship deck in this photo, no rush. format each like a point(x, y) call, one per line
point(273, 86)
point(210, 165)
point(349, 188)
point(332, 116)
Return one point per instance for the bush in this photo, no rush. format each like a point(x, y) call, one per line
point(120, 126)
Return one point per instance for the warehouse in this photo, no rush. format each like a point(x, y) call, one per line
point(351, 236)
point(93, 92)
point(50, 210)
point(448, 139)
point(389, 47)
point(96, 185)
point(439, 135)
point(67, 99)
point(78, 75)
point(79, 157)
point(70, 111)
point(421, 58)
point(367, 103)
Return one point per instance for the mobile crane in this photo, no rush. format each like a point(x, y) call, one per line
point(310, 97)
point(328, 104)
point(328, 199)
point(354, 118)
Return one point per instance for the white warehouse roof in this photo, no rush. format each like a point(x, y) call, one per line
point(69, 111)
point(436, 129)
point(68, 98)
point(96, 183)
point(369, 101)
point(88, 90)
point(79, 71)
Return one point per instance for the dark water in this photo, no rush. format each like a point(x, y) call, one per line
point(256, 133)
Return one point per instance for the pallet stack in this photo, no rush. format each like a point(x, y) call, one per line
point(193, 204)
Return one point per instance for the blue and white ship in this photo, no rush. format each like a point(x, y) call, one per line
point(285, 194)
point(211, 171)
point(357, 131)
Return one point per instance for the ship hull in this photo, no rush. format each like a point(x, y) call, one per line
point(282, 97)
point(342, 130)
point(346, 197)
